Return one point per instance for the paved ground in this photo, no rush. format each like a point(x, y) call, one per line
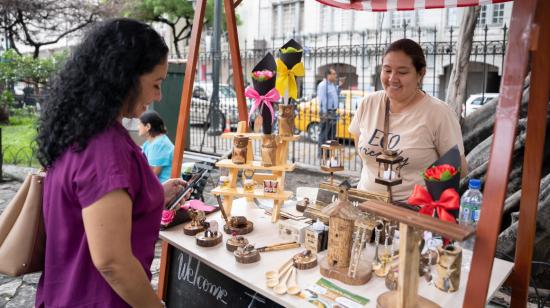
point(20, 292)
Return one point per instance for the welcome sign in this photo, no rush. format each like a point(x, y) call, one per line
point(192, 283)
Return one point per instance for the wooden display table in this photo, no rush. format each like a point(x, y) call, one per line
point(210, 277)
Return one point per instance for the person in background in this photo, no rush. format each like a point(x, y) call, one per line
point(158, 148)
point(327, 97)
point(102, 204)
point(421, 127)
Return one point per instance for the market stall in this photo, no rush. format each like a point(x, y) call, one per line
point(209, 277)
point(526, 29)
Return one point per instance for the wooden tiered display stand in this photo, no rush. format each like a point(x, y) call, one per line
point(261, 173)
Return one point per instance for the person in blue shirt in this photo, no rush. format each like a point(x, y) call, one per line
point(158, 149)
point(327, 97)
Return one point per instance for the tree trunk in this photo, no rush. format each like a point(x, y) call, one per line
point(456, 91)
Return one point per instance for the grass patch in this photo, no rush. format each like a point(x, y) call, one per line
point(18, 145)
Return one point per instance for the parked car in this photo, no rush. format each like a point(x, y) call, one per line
point(200, 103)
point(307, 118)
point(475, 101)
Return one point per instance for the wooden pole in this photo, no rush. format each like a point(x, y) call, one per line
point(183, 122)
point(498, 171)
point(236, 58)
point(532, 162)
point(409, 259)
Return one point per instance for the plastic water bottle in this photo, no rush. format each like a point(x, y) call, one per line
point(470, 207)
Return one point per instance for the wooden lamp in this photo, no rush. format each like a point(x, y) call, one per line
point(332, 157)
point(389, 171)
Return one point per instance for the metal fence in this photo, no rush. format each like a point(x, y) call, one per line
point(355, 56)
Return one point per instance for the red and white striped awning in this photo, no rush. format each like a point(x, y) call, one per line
point(403, 5)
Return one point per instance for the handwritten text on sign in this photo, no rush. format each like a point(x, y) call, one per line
point(193, 276)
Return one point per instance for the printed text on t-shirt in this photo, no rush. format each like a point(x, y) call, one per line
point(377, 140)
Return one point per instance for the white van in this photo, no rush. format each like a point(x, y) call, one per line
point(475, 101)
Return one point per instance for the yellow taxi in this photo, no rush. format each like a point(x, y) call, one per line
point(307, 118)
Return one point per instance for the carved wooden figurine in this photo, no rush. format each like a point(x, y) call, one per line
point(286, 120)
point(448, 268)
point(305, 260)
point(342, 215)
point(240, 144)
point(235, 242)
point(238, 225)
point(269, 151)
point(247, 254)
point(197, 222)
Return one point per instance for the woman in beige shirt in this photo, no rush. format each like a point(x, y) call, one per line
point(421, 126)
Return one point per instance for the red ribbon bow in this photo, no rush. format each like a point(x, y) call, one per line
point(449, 200)
point(271, 97)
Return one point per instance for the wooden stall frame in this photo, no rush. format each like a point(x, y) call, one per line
point(526, 29)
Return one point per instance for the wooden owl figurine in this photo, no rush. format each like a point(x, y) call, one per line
point(240, 145)
point(269, 151)
point(286, 120)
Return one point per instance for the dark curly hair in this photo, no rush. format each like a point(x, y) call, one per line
point(157, 124)
point(99, 80)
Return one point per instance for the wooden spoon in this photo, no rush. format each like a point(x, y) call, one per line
point(274, 281)
point(281, 288)
point(277, 274)
point(293, 288)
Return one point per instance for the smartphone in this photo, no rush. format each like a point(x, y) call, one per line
point(174, 202)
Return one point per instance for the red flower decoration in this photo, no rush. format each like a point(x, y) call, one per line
point(440, 173)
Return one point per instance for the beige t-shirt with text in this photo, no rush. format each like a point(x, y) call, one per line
point(419, 134)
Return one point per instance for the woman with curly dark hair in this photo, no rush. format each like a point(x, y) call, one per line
point(102, 203)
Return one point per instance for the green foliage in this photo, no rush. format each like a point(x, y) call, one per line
point(7, 98)
point(18, 138)
point(151, 10)
point(15, 67)
point(171, 11)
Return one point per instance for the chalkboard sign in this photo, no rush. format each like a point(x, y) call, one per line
point(191, 283)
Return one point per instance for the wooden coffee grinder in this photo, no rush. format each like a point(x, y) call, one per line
point(342, 215)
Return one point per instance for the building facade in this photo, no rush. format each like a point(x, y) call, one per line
point(353, 41)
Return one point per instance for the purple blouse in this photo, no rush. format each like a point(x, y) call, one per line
point(78, 179)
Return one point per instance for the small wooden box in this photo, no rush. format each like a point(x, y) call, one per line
point(292, 230)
